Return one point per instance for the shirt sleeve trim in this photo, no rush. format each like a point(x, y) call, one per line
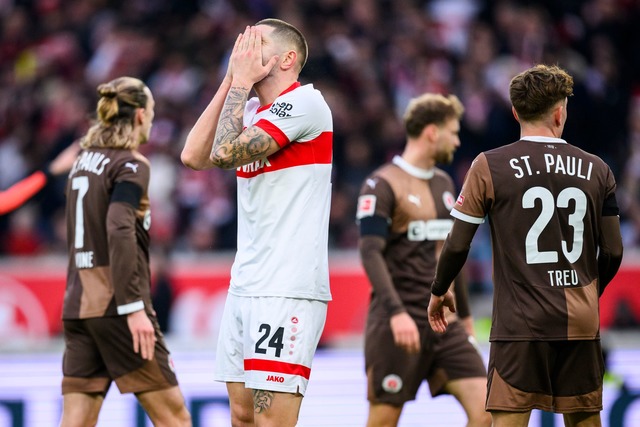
point(131, 307)
point(466, 218)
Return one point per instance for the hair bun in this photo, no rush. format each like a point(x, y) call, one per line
point(107, 90)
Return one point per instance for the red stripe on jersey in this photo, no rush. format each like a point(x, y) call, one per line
point(316, 151)
point(273, 131)
point(279, 367)
point(287, 90)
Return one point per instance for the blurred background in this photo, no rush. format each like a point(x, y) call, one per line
point(368, 57)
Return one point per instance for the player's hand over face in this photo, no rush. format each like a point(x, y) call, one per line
point(246, 59)
point(229, 73)
point(144, 336)
point(405, 332)
point(437, 318)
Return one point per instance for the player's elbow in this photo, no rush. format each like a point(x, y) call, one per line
point(191, 160)
point(456, 247)
point(615, 253)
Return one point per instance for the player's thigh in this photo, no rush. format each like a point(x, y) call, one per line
point(579, 367)
point(165, 407)
point(281, 336)
point(393, 375)
point(130, 371)
point(555, 376)
point(81, 409)
point(276, 409)
point(229, 363)
point(240, 403)
point(582, 419)
point(83, 367)
point(470, 392)
point(456, 357)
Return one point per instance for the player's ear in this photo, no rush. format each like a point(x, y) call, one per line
point(288, 59)
point(515, 113)
point(557, 114)
point(430, 131)
point(139, 117)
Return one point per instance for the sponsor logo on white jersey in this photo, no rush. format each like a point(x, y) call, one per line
point(281, 109)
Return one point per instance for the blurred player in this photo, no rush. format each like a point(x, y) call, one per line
point(20, 192)
point(280, 144)
point(403, 211)
point(110, 329)
point(556, 245)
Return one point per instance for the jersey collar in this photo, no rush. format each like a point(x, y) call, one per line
point(412, 170)
point(546, 139)
point(287, 90)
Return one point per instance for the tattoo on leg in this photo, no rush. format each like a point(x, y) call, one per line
point(262, 400)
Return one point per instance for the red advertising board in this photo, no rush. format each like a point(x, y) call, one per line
point(31, 294)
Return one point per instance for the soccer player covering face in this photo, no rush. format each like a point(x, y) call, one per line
point(556, 245)
point(403, 212)
point(110, 329)
point(280, 144)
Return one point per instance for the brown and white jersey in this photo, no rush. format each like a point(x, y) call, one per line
point(545, 200)
point(413, 206)
point(108, 218)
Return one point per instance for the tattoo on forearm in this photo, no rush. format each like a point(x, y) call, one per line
point(262, 400)
point(227, 151)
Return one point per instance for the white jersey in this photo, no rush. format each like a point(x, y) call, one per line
point(284, 201)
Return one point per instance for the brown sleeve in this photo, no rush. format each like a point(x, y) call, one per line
point(610, 254)
point(462, 296)
point(453, 256)
point(371, 253)
point(121, 231)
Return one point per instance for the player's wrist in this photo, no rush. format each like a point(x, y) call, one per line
point(241, 83)
point(438, 289)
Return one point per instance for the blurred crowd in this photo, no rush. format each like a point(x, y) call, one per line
point(368, 57)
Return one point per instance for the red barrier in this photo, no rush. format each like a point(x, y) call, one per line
point(31, 294)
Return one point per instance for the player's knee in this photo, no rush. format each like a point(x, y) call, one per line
point(241, 416)
point(184, 417)
point(86, 421)
point(481, 419)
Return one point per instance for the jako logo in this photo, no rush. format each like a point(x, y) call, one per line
point(275, 379)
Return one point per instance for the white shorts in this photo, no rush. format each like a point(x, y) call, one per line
point(268, 343)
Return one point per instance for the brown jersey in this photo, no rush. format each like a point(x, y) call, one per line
point(545, 200)
point(416, 215)
point(108, 218)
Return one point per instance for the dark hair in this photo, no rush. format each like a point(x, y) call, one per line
point(430, 108)
point(535, 91)
point(118, 101)
point(290, 35)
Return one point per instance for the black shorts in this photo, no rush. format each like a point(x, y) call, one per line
point(554, 376)
point(394, 375)
point(100, 350)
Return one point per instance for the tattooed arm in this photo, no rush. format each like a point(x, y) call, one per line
point(197, 148)
point(233, 147)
